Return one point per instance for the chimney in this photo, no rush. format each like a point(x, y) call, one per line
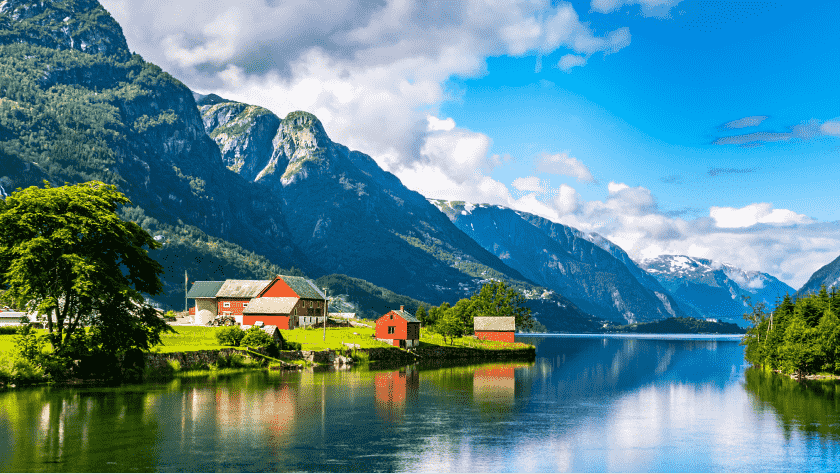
point(402, 308)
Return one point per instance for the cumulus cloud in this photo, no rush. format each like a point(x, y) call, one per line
point(758, 213)
point(563, 164)
point(745, 122)
point(531, 183)
point(657, 8)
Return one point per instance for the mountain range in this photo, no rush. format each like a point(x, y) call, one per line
point(234, 191)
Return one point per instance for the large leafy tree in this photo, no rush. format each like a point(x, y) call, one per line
point(66, 254)
point(498, 299)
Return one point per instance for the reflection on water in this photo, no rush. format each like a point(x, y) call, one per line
point(812, 407)
point(585, 404)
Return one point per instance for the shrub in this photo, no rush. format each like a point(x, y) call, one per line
point(256, 337)
point(230, 335)
point(232, 361)
point(293, 346)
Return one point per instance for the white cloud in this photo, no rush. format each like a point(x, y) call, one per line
point(531, 183)
point(758, 213)
point(831, 127)
point(563, 164)
point(568, 61)
point(436, 124)
point(657, 8)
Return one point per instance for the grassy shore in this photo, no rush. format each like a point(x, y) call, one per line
point(198, 338)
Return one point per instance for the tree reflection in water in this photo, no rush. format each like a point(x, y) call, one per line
point(812, 406)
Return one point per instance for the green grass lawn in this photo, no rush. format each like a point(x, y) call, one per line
point(467, 341)
point(197, 338)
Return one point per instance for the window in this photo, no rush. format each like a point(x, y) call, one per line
point(295, 311)
point(391, 329)
point(392, 316)
point(244, 305)
point(226, 304)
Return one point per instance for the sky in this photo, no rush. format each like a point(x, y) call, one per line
point(701, 128)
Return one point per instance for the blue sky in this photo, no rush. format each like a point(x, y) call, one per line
point(709, 129)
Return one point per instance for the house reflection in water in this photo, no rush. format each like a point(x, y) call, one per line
point(494, 387)
point(392, 391)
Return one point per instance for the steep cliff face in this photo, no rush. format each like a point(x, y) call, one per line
point(82, 25)
point(565, 260)
point(714, 289)
point(243, 133)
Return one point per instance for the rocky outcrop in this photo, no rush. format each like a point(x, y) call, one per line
point(82, 25)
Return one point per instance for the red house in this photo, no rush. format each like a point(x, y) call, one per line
point(287, 302)
point(235, 295)
point(495, 328)
point(399, 328)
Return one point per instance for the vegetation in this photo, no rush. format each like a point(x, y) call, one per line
point(800, 337)
point(680, 326)
point(369, 301)
point(69, 258)
point(230, 335)
point(493, 299)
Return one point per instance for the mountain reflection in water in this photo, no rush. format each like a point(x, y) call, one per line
point(586, 404)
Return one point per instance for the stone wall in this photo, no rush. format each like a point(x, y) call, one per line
point(447, 353)
point(194, 360)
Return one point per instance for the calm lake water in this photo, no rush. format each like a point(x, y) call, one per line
point(586, 404)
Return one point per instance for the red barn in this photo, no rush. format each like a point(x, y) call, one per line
point(287, 302)
point(495, 328)
point(399, 328)
point(235, 295)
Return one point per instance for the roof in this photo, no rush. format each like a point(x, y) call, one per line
point(204, 289)
point(303, 287)
point(494, 323)
point(270, 305)
point(405, 315)
point(241, 288)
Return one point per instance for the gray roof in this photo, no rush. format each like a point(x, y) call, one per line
point(303, 287)
point(241, 288)
point(205, 289)
point(270, 305)
point(406, 315)
point(494, 323)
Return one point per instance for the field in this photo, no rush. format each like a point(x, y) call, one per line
point(196, 338)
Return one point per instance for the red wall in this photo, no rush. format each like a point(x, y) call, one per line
point(278, 289)
point(235, 305)
point(501, 336)
point(400, 331)
point(282, 322)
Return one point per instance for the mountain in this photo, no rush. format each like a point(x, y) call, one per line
point(231, 191)
point(360, 220)
point(591, 271)
point(828, 275)
point(713, 289)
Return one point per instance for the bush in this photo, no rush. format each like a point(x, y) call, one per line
point(293, 346)
point(232, 361)
point(6, 330)
point(18, 370)
point(230, 335)
point(256, 337)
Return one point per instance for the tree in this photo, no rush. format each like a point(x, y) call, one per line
point(449, 325)
point(421, 315)
point(498, 299)
point(68, 256)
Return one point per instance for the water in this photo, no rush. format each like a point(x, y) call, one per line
point(588, 403)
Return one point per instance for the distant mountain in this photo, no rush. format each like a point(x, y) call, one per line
point(713, 289)
point(606, 283)
point(828, 275)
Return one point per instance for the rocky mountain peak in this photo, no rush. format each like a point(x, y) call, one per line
point(83, 25)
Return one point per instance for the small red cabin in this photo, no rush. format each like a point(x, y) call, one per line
point(399, 328)
point(495, 328)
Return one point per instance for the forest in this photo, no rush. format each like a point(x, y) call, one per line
point(800, 337)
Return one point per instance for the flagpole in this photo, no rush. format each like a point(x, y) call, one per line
point(186, 282)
